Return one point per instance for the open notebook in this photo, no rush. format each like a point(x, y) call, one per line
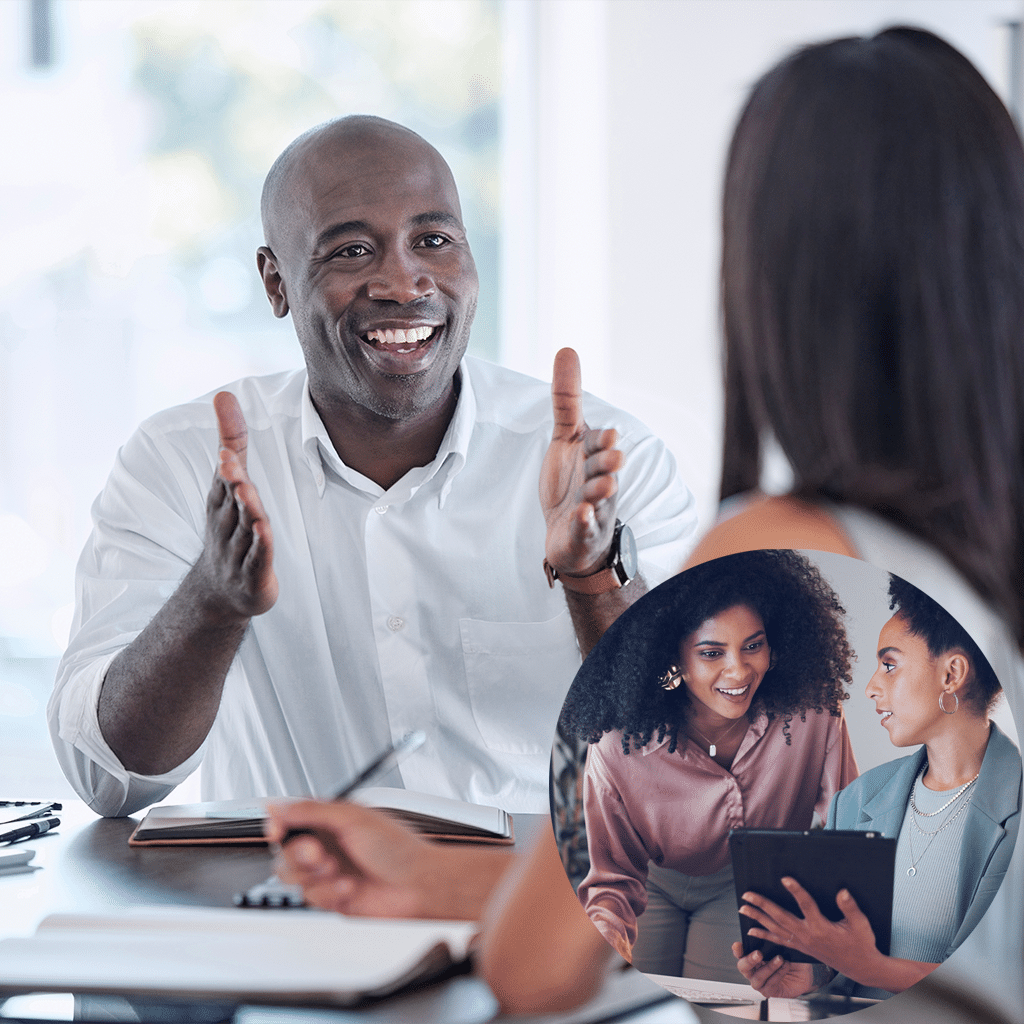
point(256, 956)
point(241, 821)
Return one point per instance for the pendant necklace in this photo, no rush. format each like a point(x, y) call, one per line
point(713, 747)
point(914, 861)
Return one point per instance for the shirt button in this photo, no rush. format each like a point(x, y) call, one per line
point(319, 479)
point(381, 509)
point(395, 623)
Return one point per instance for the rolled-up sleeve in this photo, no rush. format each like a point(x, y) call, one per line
point(123, 578)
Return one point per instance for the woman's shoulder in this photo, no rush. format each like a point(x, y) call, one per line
point(865, 786)
point(764, 521)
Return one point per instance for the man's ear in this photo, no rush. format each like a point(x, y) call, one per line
point(273, 282)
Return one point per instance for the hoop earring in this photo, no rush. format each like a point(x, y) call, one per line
point(942, 708)
point(671, 678)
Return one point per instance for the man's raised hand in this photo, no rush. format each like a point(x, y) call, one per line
point(577, 478)
point(237, 562)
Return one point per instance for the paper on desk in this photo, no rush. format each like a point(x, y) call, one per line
point(259, 956)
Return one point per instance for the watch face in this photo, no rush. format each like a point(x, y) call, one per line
point(627, 551)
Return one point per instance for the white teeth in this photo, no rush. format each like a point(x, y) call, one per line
point(886, 714)
point(736, 692)
point(398, 337)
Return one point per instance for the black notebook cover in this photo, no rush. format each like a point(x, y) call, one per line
point(823, 862)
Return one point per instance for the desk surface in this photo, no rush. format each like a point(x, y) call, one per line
point(87, 865)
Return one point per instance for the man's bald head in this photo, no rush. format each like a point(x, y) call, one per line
point(288, 181)
point(365, 241)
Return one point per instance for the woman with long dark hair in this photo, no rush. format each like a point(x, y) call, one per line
point(873, 294)
point(873, 297)
point(715, 703)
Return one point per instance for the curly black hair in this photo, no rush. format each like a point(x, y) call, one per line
point(618, 686)
point(941, 632)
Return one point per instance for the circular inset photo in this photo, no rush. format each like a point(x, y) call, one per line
point(786, 774)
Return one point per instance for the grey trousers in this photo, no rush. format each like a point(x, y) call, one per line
point(689, 926)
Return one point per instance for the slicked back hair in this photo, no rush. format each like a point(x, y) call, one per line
point(927, 619)
point(873, 295)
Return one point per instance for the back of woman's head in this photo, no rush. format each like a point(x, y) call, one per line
point(873, 294)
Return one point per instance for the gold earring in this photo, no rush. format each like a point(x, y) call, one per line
point(671, 678)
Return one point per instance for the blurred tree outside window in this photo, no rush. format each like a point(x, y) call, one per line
point(139, 133)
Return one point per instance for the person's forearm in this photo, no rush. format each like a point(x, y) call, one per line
point(457, 883)
point(161, 693)
point(593, 614)
point(539, 952)
point(889, 973)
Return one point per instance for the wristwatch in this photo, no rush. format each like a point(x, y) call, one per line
point(617, 571)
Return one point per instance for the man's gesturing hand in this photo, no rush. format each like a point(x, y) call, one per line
point(577, 479)
point(238, 557)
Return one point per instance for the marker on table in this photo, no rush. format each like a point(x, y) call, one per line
point(37, 828)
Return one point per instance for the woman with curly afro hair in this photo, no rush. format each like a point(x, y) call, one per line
point(715, 702)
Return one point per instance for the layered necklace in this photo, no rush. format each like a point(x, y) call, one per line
point(713, 745)
point(917, 812)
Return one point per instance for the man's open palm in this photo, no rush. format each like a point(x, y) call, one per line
point(577, 478)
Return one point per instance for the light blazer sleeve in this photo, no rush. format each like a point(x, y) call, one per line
point(877, 801)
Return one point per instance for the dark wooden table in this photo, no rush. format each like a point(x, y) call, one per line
point(87, 866)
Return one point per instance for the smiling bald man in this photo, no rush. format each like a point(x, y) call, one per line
point(371, 556)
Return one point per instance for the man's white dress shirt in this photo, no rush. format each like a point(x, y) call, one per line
point(421, 607)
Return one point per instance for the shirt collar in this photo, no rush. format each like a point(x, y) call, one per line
point(319, 450)
point(754, 732)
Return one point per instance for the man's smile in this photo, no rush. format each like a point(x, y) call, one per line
point(403, 340)
point(398, 348)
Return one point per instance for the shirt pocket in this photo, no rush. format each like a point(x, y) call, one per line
point(518, 674)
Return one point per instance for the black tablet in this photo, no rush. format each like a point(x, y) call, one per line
point(823, 862)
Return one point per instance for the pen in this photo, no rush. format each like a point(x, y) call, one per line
point(37, 811)
point(37, 828)
point(383, 764)
point(374, 770)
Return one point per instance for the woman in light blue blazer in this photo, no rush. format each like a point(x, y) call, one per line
point(953, 805)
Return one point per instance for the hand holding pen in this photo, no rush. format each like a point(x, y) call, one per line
point(377, 768)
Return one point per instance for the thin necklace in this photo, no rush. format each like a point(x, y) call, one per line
point(915, 860)
point(955, 796)
point(713, 747)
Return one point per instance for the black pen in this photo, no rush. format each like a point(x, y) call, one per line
point(374, 770)
point(37, 828)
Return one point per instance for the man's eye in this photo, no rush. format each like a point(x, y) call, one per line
point(888, 666)
point(433, 241)
point(353, 251)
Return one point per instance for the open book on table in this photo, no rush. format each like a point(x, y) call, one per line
point(256, 956)
point(241, 821)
